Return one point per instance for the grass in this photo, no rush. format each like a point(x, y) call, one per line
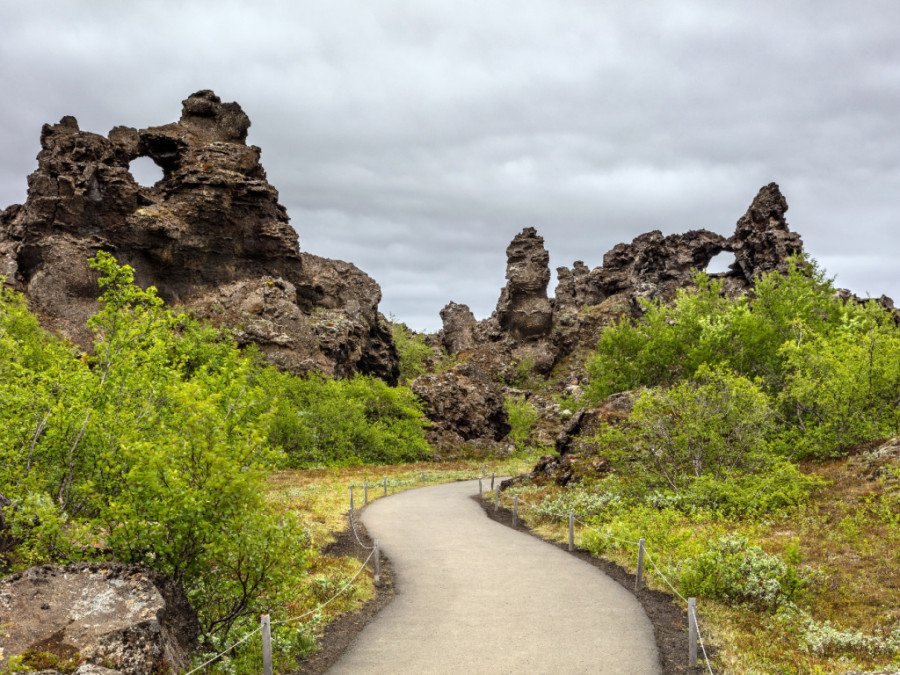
point(845, 541)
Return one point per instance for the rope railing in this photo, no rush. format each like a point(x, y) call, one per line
point(693, 623)
point(284, 621)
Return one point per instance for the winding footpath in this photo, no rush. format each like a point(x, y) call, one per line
point(474, 596)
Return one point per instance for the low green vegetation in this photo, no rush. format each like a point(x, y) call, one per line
point(155, 448)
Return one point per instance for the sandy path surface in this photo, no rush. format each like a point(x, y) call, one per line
point(474, 596)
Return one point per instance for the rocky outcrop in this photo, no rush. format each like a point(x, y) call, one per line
point(132, 618)
point(529, 334)
point(459, 324)
point(464, 406)
point(762, 241)
point(655, 266)
point(210, 235)
point(524, 310)
point(651, 266)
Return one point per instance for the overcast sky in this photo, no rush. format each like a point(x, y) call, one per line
point(415, 139)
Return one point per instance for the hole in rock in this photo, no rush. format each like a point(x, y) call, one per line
point(145, 171)
point(720, 263)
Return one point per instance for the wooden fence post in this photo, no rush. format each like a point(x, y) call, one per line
point(385, 486)
point(377, 563)
point(571, 532)
point(692, 631)
point(423, 478)
point(351, 498)
point(492, 480)
point(480, 488)
point(639, 577)
point(266, 631)
point(515, 510)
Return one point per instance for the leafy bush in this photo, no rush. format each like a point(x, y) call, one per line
point(779, 486)
point(413, 350)
point(710, 426)
point(522, 418)
point(581, 502)
point(731, 569)
point(826, 639)
point(844, 388)
point(361, 420)
point(704, 327)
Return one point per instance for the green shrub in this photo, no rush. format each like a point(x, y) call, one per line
point(733, 570)
point(413, 350)
point(779, 486)
point(842, 388)
point(581, 502)
point(702, 326)
point(360, 420)
point(522, 418)
point(712, 426)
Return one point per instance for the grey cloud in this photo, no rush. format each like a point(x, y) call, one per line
point(415, 139)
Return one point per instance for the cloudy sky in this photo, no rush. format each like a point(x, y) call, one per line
point(416, 138)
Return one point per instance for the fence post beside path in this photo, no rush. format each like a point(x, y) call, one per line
point(423, 478)
point(365, 492)
point(692, 631)
point(480, 487)
point(351, 498)
point(377, 563)
point(385, 486)
point(571, 532)
point(266, 632)
point(492, 480)
point(515, 510)
point(639, 576)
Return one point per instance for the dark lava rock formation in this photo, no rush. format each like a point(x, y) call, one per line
point(127, 616)
point(211, 236)
point(464, 404)
point(529, 327)
point(524, 311)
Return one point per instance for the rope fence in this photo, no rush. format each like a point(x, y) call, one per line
point(266, 624)
point(694, 635)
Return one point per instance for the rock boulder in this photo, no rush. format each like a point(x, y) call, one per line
point(108, 613)
point(463, 404)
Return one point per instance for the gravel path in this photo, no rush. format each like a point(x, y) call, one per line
point(474, 596)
